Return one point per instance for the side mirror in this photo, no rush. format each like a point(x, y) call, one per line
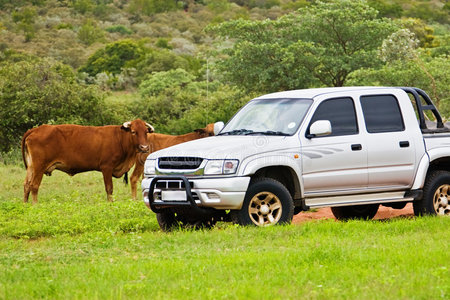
point(319, 128)
point(218, 126)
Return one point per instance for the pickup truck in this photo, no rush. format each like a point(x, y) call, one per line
point(350, 148)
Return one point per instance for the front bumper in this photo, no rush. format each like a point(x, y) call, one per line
point(219, 193)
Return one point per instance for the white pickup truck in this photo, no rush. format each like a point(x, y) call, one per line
point(350, 149)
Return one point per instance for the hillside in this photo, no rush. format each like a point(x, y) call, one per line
point(182, 64)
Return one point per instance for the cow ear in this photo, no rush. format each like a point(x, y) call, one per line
point(200, 131)
point(150, 128)
point(126, 126)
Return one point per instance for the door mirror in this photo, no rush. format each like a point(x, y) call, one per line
point(218, 126)
point(319, 128)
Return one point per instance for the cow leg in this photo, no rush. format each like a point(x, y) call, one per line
point(27, 185)
point(137, 173)
point(35, 183)
point(107, 178)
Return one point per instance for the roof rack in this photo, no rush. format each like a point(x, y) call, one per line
point(418, 94)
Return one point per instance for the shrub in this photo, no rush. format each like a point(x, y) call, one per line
point(40, 91)
point(158, 82)
point(151, 7)
point(89, 33)
point(114, 57)
point(119, 29)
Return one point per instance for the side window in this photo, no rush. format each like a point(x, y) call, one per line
point(341, 113)
point(382, 114)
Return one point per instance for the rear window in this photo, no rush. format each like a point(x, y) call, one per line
point(382, 114)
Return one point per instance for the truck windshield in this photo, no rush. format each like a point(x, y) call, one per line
point(268, 117)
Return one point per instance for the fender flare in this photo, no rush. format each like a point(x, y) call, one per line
point(251, 165)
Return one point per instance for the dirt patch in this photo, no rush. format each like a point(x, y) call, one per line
point(325, 213)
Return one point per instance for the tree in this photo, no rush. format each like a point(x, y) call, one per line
point(41, 91)
point(114, 57)
point(317, 45)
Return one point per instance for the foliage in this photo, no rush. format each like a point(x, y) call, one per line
point(423, 32)
point(25, 18)
point(187, 105)
point(160, 60)
point(89, 33)
point(399, 45)
point(410, 73)
point(151, 7)
point(42, 91)
point(119, 29)
point(114, 57)
point(159, 81)
point(315, 46)
point(386, 8)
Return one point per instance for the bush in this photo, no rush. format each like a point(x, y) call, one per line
point(119, 29)
point(178, 110)
point(35, 92)
point(158, 82)
point(114, 57)
point(89, 33)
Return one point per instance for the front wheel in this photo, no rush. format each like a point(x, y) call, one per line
point(169, 220)
point(366, 211)
point(267, 202)
point(436, 195)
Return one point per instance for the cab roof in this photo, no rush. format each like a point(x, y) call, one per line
point(311, 93)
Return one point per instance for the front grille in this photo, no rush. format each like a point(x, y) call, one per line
point(172, 184)
point(179, 163)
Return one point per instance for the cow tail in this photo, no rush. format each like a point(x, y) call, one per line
point(125, 178)
point(23, 148)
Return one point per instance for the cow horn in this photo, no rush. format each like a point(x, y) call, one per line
point(150, 127)
point(126, 124)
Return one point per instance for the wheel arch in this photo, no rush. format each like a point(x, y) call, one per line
point(283, 174)
point(435, 160)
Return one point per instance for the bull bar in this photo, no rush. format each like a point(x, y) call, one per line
point(158, 207)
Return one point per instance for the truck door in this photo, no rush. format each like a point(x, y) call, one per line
point(391, 148)
point(335, 162)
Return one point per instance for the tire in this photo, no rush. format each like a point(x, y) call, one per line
point(436, 195)
point(366, 212)
point(267, 202)
point(168, 220)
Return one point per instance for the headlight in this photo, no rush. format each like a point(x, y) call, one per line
point(221, 166)
point(150, 167)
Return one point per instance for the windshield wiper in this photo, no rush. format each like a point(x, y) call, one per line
point(236, 132)
point(268, 132)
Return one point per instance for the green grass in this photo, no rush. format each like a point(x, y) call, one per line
point(76, 245)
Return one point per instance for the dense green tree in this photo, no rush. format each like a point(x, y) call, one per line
point(35, 92)
point(159, 81)
point(182, 108)
point(317, 45)
point(114, 57)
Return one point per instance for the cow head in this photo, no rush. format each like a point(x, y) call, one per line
point(207, 131)
point(139, 130)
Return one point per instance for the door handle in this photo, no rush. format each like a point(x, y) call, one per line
point(356, 147)
point(404, 144)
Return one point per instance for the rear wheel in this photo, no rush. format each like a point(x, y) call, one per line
point(267, 202)
point(367, 211)
point(436, 195)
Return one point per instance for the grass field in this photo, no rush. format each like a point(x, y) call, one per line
point(76, 245)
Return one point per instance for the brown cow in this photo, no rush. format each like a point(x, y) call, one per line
point(158, 141)
point(74, 149)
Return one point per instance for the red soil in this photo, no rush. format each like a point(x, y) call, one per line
point(325, 213)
